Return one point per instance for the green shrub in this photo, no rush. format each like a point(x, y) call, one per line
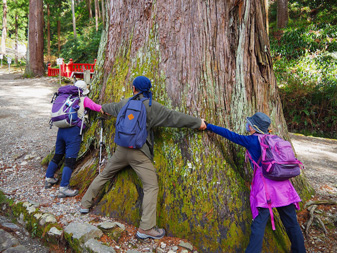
point(308, 90)
point(84, 49)
point(305, 65)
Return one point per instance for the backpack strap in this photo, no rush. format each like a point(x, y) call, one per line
point(135, 96)
point(255, 164)
point(263, 145)
point(273, 162)
point(269, 204)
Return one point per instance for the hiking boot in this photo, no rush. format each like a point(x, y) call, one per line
point(66, 192)
point(49, 182)
point(154, 233)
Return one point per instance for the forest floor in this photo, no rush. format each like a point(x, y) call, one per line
point(25, 138)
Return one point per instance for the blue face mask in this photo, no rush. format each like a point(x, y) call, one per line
point(247, 127)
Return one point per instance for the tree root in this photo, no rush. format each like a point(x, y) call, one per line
point(311, 219)
point(311, 210)
point(320, 202)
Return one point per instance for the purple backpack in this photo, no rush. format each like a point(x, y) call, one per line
point(65, 106)
point(278, 159)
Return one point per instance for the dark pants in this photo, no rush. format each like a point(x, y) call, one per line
point(68, 143)
point(289, 220)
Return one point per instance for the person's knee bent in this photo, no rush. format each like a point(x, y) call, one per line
point(151, 188)
point(70, 162)
point(57, 158)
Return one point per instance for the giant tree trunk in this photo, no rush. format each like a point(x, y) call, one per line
point(35, 65)
point(282, 13)
point(209, 59)
point(4, 27)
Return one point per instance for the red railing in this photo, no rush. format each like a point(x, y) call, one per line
point(71, 69)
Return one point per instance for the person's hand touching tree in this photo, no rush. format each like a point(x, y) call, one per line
point(203, 125)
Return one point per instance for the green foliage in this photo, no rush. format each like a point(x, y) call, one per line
point(296, 42)
point(84, 48)
point(305, 65)
point(17, 8)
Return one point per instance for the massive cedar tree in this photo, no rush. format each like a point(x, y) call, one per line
point(210, 59)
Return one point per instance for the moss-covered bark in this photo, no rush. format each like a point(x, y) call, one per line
point(206, 59)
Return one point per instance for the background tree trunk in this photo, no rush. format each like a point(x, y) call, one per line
point(96, 14)
point(282, 13)
point(48, 33)
point(266, 7)
point(4, 27)
point(207, 59)
point(59, 28)
point(35, 66)
point(16, 58)
point(103, 13)
point(59, 37)
point(89, 8)
point(74, 19)
point(99, 10)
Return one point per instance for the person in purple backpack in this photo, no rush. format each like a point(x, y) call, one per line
point(68, 143)
point(265, 193)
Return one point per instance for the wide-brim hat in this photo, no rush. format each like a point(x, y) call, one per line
point(260, 122)
point(82, 85)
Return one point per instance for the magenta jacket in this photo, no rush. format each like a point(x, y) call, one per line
point(280, 193)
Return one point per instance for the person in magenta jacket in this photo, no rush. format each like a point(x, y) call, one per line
point(264, 192)
point(68, 143)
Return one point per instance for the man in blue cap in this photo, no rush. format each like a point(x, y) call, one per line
point(141, 159)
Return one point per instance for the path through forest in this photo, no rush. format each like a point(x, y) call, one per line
point(25, 139)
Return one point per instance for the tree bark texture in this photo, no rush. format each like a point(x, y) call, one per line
point(35, 64)
point(4, 27)
point(210, 59)
point(282, 13)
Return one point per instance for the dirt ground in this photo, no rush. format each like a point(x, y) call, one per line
point(25, 139)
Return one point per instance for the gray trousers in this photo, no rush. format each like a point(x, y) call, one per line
point(145, 170)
